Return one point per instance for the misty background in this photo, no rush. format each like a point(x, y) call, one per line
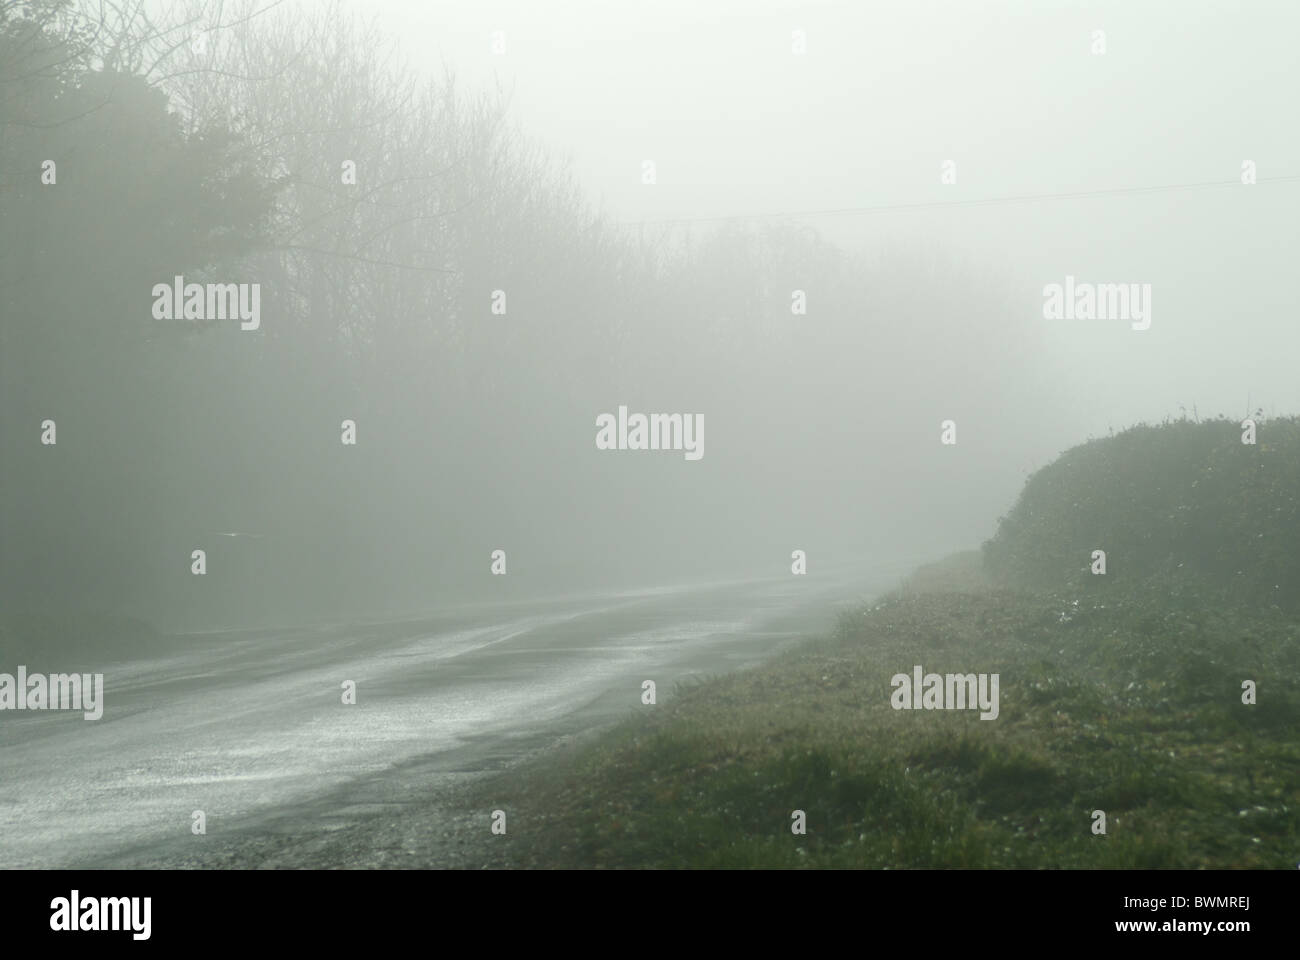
point(207, 140)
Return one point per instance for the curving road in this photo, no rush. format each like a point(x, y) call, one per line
point(250, 728)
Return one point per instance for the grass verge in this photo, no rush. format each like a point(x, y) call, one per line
point(1128, 703)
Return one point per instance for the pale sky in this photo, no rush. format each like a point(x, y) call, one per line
point(1011, 92)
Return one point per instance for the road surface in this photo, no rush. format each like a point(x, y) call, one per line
point(250, 728)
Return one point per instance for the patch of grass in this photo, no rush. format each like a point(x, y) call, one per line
point(1122, 719)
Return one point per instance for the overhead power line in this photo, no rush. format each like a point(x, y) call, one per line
point(986, 201)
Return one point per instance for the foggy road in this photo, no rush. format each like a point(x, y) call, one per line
point(253, 724)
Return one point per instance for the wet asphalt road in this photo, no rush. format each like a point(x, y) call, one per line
point(251, 729)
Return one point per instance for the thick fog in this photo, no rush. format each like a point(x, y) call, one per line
point(816, 231)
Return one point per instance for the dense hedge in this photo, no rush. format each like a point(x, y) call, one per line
point(1184, 506)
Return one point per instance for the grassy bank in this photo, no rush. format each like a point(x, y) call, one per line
point(1120, 708)
point(1120, 693)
